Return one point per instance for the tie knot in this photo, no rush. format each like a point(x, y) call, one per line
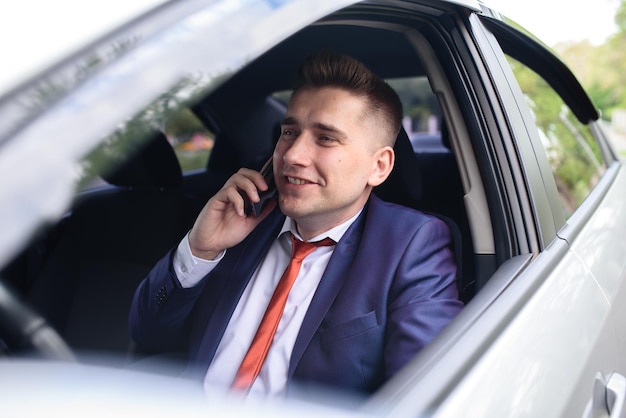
point(300, 249)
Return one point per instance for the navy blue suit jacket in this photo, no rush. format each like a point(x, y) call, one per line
point(388, 290)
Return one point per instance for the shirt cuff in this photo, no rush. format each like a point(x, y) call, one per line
point(189, 269)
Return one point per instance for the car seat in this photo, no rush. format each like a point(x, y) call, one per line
point(430, 183)
point(108, 244)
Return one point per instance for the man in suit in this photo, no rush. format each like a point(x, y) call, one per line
point(362, 305)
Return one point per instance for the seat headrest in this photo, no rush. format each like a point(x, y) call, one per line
point(154, 165)
point(404, 184)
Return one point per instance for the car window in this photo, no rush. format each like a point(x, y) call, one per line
point(168, 115)
point(422, 115)
point(573, 153)
point(191, 140)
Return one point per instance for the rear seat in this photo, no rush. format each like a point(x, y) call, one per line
point(108, 244)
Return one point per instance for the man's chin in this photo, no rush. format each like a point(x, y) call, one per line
point(289, 209)
point(294, 209)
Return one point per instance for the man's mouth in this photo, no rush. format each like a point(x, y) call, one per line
point(293, 180)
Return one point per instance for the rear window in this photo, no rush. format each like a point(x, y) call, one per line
point(190, 139)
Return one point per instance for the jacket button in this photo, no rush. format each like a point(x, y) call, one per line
point(160, 296)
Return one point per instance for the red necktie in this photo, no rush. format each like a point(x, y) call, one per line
point(253, 361)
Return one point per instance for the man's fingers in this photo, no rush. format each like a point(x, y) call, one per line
point(236, 198)
point(253, 176)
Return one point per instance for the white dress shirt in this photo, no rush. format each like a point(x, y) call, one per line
point(247, 316)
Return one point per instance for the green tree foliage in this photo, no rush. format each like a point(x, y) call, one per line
point(620, 17)
point(572, 152)
point(602, 69)
point(183, 124)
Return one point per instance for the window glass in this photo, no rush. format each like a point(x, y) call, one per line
point(170, 115)
point(191, 140)
point(572, 151)
point(422, 114)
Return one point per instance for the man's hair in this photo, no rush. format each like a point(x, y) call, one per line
point(334, 69)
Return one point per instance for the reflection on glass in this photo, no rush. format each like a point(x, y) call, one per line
point(46, 91)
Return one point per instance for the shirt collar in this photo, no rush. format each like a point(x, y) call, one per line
point(334, 233)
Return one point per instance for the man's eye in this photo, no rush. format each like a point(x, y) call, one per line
point(325, 138)
point(288, 132)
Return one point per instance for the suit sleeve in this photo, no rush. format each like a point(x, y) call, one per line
point(161, 306)
point(424, 296)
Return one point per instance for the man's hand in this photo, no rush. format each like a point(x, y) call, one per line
point(222, 223)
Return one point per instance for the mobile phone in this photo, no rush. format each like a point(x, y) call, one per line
point(255, 208)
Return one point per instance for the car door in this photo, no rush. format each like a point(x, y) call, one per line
point(543, 337)
point(590, 188)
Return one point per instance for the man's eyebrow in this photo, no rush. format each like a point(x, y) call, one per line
point(330, 128)
point(290, 120)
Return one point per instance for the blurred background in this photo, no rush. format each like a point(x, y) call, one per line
point(590, 37)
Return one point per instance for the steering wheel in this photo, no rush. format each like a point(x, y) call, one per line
point(24, 330)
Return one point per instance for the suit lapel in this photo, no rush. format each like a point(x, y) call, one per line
point(330, 284)
point(230, 280)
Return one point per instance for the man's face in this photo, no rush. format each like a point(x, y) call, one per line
point(328, 158)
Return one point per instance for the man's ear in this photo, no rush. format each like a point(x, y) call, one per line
point(383, 161)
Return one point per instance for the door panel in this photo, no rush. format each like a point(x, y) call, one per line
point(546, 360)
point(601, 246)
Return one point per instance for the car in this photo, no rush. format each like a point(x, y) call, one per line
point(107, 156)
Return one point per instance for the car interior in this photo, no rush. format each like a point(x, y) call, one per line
point(81, 273)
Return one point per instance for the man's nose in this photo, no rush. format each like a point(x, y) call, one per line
point(298, 151)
